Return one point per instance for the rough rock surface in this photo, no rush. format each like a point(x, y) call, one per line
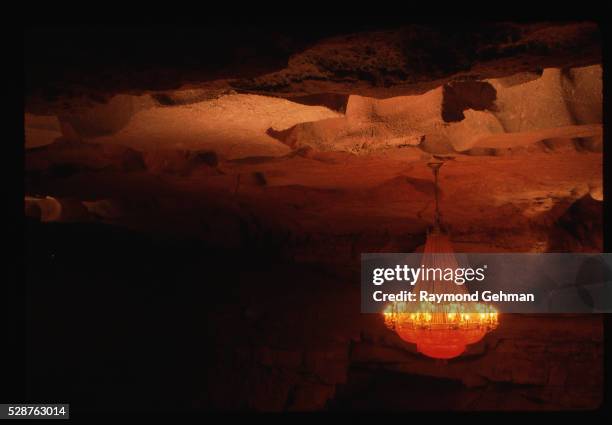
point(335, 164)
point(63, 68)
point(460, 117)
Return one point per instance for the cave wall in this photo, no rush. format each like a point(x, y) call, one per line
point(308, 160)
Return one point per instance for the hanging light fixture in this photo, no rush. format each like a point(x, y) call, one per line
point(440, 330)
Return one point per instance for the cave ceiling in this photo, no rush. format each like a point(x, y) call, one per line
point(325, 138)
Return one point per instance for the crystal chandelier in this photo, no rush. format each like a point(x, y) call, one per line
point(440, 330)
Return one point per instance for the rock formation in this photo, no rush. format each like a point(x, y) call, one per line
point(311, 150)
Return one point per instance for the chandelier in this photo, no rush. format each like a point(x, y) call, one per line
point(440, 330)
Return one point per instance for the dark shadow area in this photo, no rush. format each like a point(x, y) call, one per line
point(462, 95)
point(379, 390)
point(118, 321)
